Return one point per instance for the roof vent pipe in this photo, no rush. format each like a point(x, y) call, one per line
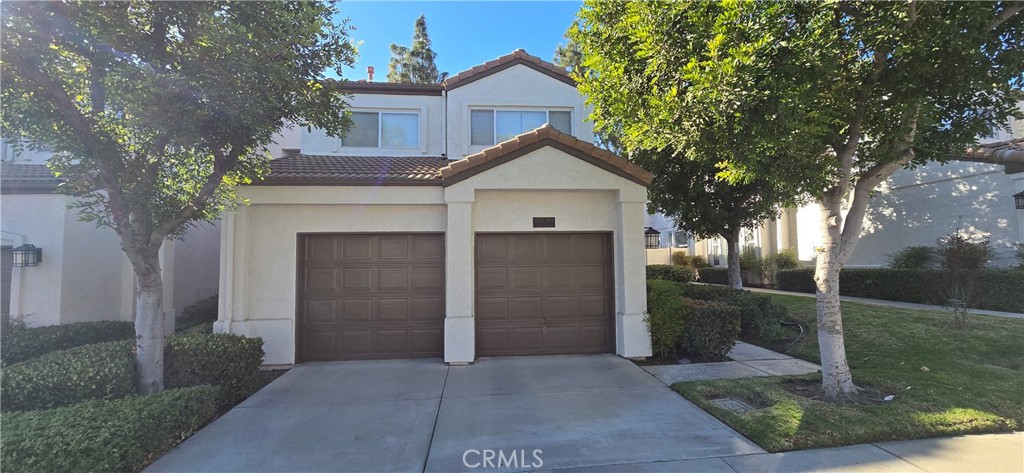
point(369, 73)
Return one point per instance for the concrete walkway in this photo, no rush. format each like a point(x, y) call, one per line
point(975, 453)
point(898, 305)
point(748, 361)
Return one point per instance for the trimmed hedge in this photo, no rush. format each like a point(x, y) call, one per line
point(666, 315)
point(107, 371)
point(760, 316)
point(202, 312)
point(713, 275)
point(994, 289)
point(230, 362)
point(20, 344)
point(104, 435)
point(667, 272)
point(713, 329)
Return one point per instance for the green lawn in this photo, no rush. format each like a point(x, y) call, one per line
point(946, 381)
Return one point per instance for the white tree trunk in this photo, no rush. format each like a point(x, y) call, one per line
point(835, 372)
point(149, 331)
point(732, 244)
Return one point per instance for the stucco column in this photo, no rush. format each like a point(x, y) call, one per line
point(459, 326)
point(632, 335)
point(167, 274)
point(225, 291)
point(787, 229)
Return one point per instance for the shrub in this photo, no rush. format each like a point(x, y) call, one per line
point(202, 312)
point(749, 260)
point(20, 344)
point(957, 253)
point(206, 328)
point(698, 262)
point(118, 435)
point(761, 317)
point(100, 371)
point(1018, 252)
point(680, 258)
point(107, 371)
point(713, 275)
point(713, 329)
point(670, 273)
point(912, 257)
point(994, 289)
point(666, 315)
point(230, 362)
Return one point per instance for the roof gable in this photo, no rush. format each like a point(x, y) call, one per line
point(530, 141)
point(516, 58)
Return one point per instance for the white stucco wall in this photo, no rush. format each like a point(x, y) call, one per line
point(919, 206)
point(517, 87)
point(431, 123)
point(196, 265)
point(37, 219)
point(91, 278)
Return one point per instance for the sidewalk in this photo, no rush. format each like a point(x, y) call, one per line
point(748, 361)
point(898, 305)
point(972, 453)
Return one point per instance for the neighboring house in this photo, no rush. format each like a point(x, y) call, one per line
point(83, 275)
point(450, 221)
point(914, 207)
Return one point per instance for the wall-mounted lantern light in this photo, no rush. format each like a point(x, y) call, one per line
point(652, 238)
point(1018, 200)
point(27, 255)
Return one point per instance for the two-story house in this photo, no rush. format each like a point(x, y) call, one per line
point(469, 218)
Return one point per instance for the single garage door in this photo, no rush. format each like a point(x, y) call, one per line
point(544, 294)
point(367, 296)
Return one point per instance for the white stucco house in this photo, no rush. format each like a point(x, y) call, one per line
point(83, 275)
point(914, 207)
point(469, 218)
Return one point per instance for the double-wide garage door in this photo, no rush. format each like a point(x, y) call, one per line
point(367, 296)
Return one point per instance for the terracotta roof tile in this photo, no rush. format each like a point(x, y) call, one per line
point(1002, 152)
point(587, 151)
point(504, 62)
point(313, 169)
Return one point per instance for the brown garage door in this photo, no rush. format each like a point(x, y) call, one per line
point(370, 296)
point(544, 294)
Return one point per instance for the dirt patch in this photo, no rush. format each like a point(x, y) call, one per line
point(811, 389)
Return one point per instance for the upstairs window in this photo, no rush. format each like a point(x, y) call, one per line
point(489, 127)
point(383, 130)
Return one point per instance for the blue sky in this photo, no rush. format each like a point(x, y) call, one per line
point(463, 34)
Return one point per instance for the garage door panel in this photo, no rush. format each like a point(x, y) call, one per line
point(356, 279)
point(357, 247)
point(492, 308)
point(356, 310)
point(371, 296)
point(428, 309)
point(321, 280)
point(393, 310)
point(392, 279)
point(555, 300)
point(489, 279)
point(320, 311)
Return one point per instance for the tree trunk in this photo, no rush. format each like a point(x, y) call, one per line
point(149, 328)
point(835, 372)
point(732, 243)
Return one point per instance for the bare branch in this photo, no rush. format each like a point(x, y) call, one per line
point(1009, 9)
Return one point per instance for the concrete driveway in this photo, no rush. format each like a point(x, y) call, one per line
point(574, 411)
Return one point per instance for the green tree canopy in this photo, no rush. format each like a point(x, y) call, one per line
point(156, 110)
point(414, 65)
point(829, 97)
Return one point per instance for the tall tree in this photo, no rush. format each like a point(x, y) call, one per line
point(156, 110)
point(570, 56)
point(863, 85)
point(414, 65)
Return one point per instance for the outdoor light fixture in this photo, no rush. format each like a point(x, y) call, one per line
point(27, 255)
point(652, 238)
point(1018, 200)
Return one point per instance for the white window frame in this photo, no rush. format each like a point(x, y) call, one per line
point(494, 123)
point(420, 139)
